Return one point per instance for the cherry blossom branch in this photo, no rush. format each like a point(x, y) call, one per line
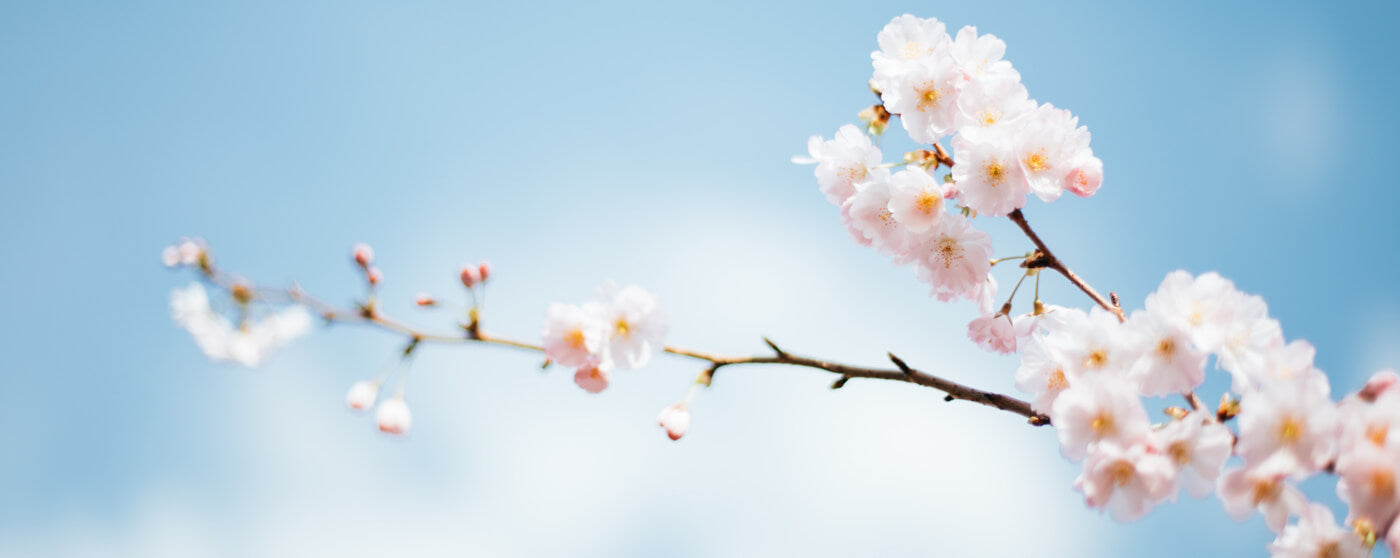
point(369, 314)
point(1045, 259)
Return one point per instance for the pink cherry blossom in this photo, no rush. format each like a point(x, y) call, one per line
point(916, 200)
point(1367, 481)
point(1127, 481)
point(925, 96)
point(635, 324)
point(1041, 374)
point(1098, 409)
point(989, 177)
point(954, 258)
point(1168, 363)
point(993, 333)
point(573, 335)
point(904, 42)
point(842, 162)
point(1317, 535)
point(1290, 420)
point(1198, 447)
point(1263, 487)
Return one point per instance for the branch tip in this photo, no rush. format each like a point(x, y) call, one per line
point(774, 346)
point(900, 363)
point(840, 382)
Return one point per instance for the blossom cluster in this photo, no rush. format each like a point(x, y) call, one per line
point(619, 329)
point(1005, 147)
point(1090, 372)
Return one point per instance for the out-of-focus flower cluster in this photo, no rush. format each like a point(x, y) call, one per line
point(247, 341)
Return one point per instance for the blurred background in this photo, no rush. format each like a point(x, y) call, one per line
point(570, 144)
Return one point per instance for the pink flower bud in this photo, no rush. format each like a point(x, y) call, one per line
point(364, 255)
point(423, 299)
point(470, 275)
point(374, 275)
point(1380, 383)
point(675, 419)
point(593, 378)
point(393, 417)
point(362, 395)
point(485, 270)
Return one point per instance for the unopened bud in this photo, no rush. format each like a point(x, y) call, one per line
point(675, 419)
point(364, 255)
point(423, 299)
point(1229, 408)
point(593, 378)
point(471, 275)
point(1177, 413)
point(1380, 382)
point(876, 119)
point(362, 395)
point(393, 416)
point(374, 276)
point(484, 268)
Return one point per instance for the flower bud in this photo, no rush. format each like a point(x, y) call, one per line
point(675, 419)
point(362, 395)
point(593, 378)
point(374, 275)
point(484, 268)
point(471, 275)
point(1380, 382)
point(393, 416)
point(364, 255)
point(424, 299)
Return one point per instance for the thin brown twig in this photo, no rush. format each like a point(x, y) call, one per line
point(368, 314)
point(1045, 259)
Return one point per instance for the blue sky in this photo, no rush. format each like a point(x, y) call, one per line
point(645, 143)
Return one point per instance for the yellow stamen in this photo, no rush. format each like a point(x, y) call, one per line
point(928, 202)
point(574, 338)
point(995, 173)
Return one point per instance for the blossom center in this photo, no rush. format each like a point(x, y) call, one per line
point(929, 96)
point(948, 252)
point(886, 217)
point(1122, 473)
point(1037, 161)
point(1330, 550)
point(1290, 430)
point(928, 202)
point(1265, 491)
point(622, 328)
point(1102, 424)
point(1096, 359)
point(855, 173)
point(1376, 433)
point(1057, 380)
point(574, 338)
point(1166, 348)
point(1180, 452)
point(995, 173)
point(912, 50)
point(989, 116)
point(1383, 482)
